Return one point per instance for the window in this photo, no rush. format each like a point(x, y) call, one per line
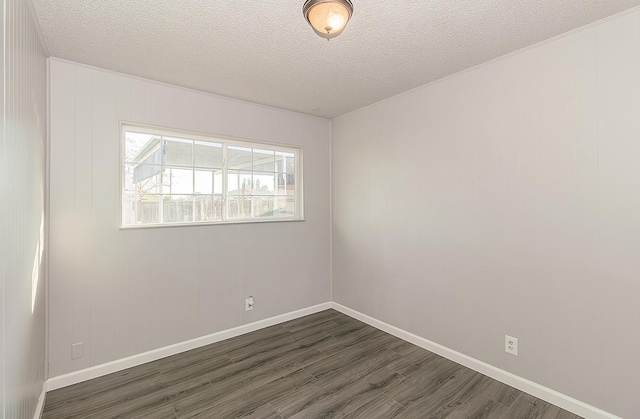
point(171, 178)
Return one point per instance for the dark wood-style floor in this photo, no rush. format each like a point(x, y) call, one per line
point(326, 365)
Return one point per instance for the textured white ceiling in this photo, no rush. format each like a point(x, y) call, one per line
point(264, 51)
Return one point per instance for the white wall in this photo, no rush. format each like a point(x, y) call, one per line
point(506, 200)
point(3, 210)
point(123, 292)
point(22, 209)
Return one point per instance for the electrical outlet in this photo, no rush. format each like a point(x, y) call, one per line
point(77, 350)
point(511, 345)
point(248, 304)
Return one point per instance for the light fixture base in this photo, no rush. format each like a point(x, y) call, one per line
point(328, 18)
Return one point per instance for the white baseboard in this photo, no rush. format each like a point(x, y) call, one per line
point(41, 399)
point(535, 389)
point(139, 359)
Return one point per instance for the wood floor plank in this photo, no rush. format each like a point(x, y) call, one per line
point(379, 339)
point(319, 338)
point(479, 407)
point(401, 347)
point(500, 392)
point(345, 340)
point(563, 414)
point(277, 345)
point(316, 392)
point(252, 369)
point(445, 399)
point(343, 319)
point(351, 361)
point(349, 328)
point(265, 412)
point(379, 408)
point(243, 380)
point(159, 413)
point(199, 366)
point(131, 411)
point(323, 328)
point(262, 347)
point(425, 382)
point(245, 404)
point(417, 361)
point(313, 319)
point(259, 337)
point(351, 397)
point(309, 328)
point(529, 407)
point(216, 350)
point(375, 363)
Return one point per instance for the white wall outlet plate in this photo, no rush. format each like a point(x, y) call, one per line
point(77, 350)
point(511, 345)
point(248, 303)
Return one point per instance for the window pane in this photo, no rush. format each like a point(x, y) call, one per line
point(232, 182)
point(145, 182)
point(177, 181)
point(239, 183)
point(151, 155)
point(263, 183)
point(143, 178)
point(128, 177)
point(286, 184)
point(285, 162)
point(263, 206)
point(203, 182)
point(128, 214)
point(150, 185)
point(208, 208)
point(177, 208)
point(177, 151)
point(285, 206)
point(140, 209)
point(207, 154)
point(217, 182)
point(263, 161)
point(136, 146)
point(239, 207)
point(239, 158)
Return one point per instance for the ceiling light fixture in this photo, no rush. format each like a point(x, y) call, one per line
point(328, 17)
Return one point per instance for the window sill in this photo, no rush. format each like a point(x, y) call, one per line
point(218, 223)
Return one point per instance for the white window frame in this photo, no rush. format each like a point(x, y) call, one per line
point(226, 141)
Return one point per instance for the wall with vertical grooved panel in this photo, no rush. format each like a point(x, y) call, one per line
point(22, 213)
point(124, 292)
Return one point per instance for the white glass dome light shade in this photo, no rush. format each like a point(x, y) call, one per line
point(328, 18)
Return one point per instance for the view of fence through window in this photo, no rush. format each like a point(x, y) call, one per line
point(171, 179)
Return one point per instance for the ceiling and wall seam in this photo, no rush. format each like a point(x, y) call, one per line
point(187, 89)
point(497, 59)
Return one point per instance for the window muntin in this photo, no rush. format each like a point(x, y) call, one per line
point(174, 179)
